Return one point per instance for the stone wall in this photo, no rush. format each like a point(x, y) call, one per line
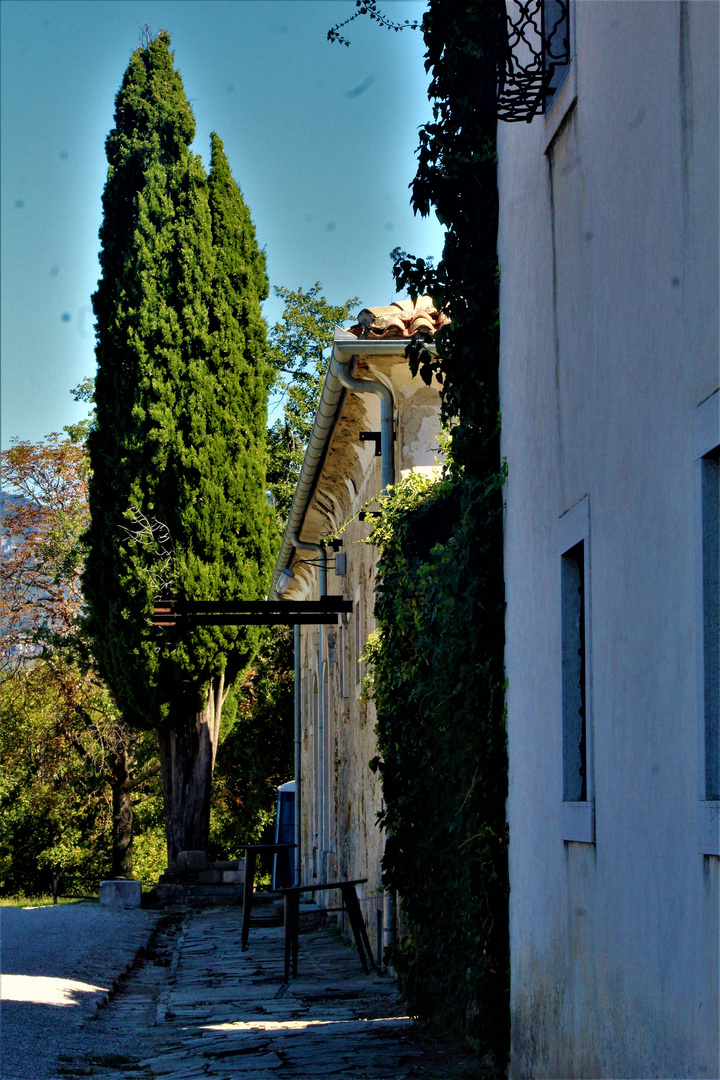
point(194, 881)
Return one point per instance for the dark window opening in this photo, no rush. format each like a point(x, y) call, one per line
point(574, 694)
point(536, 57)
point(711, 619)
point(556, 39)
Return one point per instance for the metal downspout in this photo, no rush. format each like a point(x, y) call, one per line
point(387, 467)
point(307, 545)
point(372, 386)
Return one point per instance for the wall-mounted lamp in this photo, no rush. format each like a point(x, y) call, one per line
point(284, 581)
point(341, 564)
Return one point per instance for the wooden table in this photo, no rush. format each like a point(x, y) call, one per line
point(251, 852)
point(350, 904)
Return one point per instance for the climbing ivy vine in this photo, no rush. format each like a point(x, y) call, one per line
point(436, 660)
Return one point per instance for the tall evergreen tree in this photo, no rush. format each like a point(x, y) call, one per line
point(177, 494)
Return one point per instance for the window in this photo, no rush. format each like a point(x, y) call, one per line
point(707, 480)
point(574, 693)
point(537, 59)
point(711, 638)
point(556, 40)
point(577, 807)
point(561, 54)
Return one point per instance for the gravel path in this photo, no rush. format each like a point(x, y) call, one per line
point(58, 964)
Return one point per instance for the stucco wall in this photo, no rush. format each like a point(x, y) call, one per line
point(609, 341)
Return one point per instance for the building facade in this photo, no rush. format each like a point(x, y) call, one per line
point(609, 376)
point(375, 425)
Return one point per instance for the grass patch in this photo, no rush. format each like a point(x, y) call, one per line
point(23, 901)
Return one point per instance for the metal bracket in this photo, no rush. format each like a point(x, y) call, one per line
point(168, 613)
point(372, 436)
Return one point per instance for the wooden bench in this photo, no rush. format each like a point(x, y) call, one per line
point(350, 904)
point(251, 852)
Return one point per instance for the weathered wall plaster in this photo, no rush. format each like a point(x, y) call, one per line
point(609, 341)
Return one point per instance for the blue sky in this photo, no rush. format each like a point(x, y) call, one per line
point(320, 138)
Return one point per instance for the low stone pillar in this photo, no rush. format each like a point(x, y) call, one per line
point(120, 894)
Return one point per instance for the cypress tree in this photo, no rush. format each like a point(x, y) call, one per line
point(177, 492)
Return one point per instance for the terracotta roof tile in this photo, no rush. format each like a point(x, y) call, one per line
point(403, 319)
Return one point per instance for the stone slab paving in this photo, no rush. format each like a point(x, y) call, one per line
point(222, 1014)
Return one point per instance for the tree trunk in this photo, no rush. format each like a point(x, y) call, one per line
point(187, 759)
point(122, 824)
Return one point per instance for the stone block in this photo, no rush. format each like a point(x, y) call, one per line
point(166, 894)
point(226, 900)
point(233, 877)
point(213, 890)
point(120, 894)
point(192, 860)
point(210, 877)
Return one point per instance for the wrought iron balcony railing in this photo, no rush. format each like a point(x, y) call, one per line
point(539, 50)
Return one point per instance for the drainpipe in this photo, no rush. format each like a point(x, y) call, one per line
point(387, 466)
point(298, 757)
point(306, 545)
point(371, 386)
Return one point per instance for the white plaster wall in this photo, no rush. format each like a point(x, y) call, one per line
point(609, 340)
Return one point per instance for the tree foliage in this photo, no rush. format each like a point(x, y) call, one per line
point(63, 740)
point(44, 510)
point(373, 10)
point(78, 789)
point(178, 450)
point(436, 670)
point(181, 378)
point(300, 347)
point(257, 748)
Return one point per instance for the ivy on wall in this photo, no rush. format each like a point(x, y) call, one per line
point(436, 663)
point(436, 660)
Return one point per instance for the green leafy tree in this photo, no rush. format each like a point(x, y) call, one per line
point(74, 744)
point(178, 450)
point(300, 346)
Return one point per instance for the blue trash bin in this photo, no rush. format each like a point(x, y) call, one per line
point(285, 827)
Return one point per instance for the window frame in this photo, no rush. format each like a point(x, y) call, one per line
point(706, 448)
point(577, 817)
point(566, 94)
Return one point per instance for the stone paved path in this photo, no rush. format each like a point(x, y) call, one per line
point(200, 1008)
